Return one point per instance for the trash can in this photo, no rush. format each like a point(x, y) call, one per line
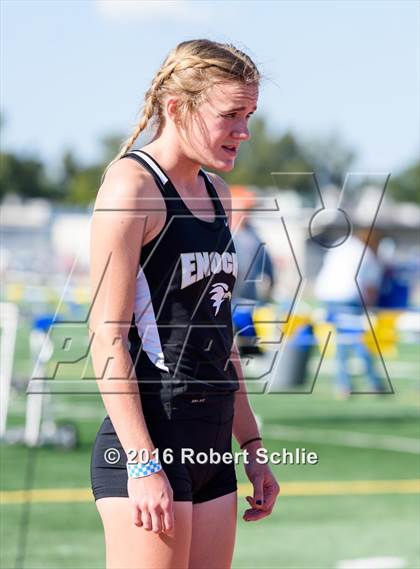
point(291, 370)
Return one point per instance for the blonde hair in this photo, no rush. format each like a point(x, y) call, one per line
point(189, 70)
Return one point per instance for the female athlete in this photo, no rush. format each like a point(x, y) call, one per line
point(163, 266)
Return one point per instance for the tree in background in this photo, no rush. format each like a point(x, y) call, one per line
point(266, 153)
point(25, 177)
point(80, 184)
point(330, 158)
point(406, 185)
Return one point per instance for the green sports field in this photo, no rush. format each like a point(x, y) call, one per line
point(361, 500)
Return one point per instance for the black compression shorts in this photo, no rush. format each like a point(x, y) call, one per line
point(199, 423)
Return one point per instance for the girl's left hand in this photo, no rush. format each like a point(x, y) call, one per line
point(266, 490)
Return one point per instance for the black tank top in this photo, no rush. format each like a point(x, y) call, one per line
point(181, 331)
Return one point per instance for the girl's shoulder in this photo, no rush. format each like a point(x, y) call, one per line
point(125, 179)
point(128, 188)
point(220, 185)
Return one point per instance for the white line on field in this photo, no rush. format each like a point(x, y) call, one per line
point(396, 369)
point(63, 411)
point(346, 438)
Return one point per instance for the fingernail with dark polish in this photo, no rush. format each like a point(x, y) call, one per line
point(258, 502)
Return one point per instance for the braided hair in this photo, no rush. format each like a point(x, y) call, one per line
point(189, 70)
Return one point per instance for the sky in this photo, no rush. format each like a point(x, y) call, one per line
point(75, 71)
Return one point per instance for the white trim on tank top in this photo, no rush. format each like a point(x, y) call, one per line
point(156, 168)
point(145, 320)
point(152, 165)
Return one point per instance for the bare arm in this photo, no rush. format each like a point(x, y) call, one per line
point(117, 230)
point(122, 219)
point(244, 424)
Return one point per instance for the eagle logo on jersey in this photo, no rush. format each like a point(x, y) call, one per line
point(218, 293)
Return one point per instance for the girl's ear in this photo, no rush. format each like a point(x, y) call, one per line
point(171, 107)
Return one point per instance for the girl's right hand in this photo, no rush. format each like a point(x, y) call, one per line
point(152, 500)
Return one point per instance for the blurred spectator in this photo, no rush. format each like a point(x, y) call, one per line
point(336, 286)
point(255, 279)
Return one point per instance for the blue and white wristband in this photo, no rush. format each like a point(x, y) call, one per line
point(140, 470)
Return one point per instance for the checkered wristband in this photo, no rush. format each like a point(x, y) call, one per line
point(139, 470)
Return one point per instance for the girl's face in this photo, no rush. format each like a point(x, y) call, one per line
point(220, 124)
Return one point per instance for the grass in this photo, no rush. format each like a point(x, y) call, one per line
point(305, 532)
